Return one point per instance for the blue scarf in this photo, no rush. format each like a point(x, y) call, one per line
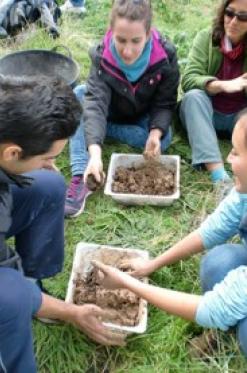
point(136, 69)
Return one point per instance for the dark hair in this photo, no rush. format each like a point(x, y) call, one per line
point(132, 10)
point(218, 23)
point(36, 112)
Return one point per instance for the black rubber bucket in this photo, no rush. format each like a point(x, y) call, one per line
point(40, 62)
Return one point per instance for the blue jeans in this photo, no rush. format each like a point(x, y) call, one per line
point(78, 2)
point(38, 228)
point(133, 135)
point(38, 224)
point(202, 124)
point(19, 302)
point(4, 8)
point(215, 265)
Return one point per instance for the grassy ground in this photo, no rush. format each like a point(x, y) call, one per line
point(164, 348)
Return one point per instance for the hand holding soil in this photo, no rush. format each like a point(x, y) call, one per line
point(152, 147)
point(95, 168)
point(93, 184)
point(109, 277)
point(138, 267)
point(88, 317)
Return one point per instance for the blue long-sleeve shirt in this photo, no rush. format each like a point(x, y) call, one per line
point(226, 221)
point(226, 304)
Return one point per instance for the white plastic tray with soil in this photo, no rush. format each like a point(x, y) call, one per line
point(128, 312)
point(170, 163)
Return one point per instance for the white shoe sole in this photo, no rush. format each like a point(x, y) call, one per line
point(81, 209)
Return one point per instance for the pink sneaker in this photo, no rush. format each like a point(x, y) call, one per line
point(76, 196)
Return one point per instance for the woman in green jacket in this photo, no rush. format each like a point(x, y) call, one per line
point(215, 82)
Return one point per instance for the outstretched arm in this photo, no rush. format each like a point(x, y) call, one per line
point(190, 245)
point(173, 302)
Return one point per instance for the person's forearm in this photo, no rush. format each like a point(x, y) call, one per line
point(156, 133)
point(173, 302)
point(190, 245)
point(56, 309)
point(94, 150)
point(215, 86)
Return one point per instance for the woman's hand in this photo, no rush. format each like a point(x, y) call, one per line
point(152, 147)
point(227, 86)
point(236, 85)
point(139, 267)
point(111, 277)
point(95, 165)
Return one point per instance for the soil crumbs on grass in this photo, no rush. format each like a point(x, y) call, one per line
point(152, 178)
point(122, 306)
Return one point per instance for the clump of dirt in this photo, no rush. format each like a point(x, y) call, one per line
point(93, 184)
point(122, 306)
point(152, 178)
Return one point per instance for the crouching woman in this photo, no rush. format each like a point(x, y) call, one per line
point(223, 272)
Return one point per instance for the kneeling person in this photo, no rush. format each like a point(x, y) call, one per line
point(36, 119)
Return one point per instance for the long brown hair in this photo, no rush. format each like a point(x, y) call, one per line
point(132, 10)
point(218, 23)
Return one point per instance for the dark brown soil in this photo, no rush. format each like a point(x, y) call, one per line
point(122, 305)
point(93, 184)
point(152, 178)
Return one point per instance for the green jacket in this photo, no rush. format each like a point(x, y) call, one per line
point(204, 62)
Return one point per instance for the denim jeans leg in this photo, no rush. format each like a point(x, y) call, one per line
point(242, 335)
point(166, 141)
point(196, 113)
point(214, 267)
point(77, 145)
point(135, 135)
point(224, 122)
point(219, 261)
point(4, 8)
point(38, 224)
point(18, 305)
point(78, 2)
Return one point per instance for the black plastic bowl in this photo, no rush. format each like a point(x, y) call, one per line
point(40, 62)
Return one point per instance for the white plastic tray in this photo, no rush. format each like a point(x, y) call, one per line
point(83, 266)
point(133, 160)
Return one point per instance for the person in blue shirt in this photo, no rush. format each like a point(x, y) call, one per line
point(223, 271)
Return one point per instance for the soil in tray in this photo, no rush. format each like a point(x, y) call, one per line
point(152, 178)
point(122, 305)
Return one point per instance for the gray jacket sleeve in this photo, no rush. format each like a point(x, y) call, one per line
point(95, 107)
point(165, 100)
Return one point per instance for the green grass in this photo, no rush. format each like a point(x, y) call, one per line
point(164, 347)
